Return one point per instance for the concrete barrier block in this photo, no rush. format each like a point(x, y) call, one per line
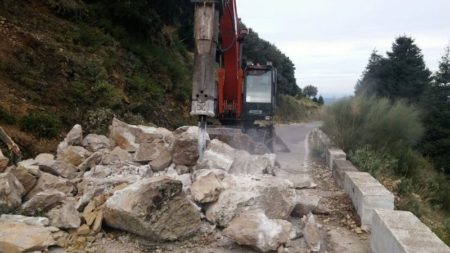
point(367, 194)
point(339, 169)
point(402, 232)
point(334, 154)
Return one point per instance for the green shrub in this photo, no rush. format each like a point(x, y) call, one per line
point(41, 125)
point(97, 120)
point(145, 87)
point(104, 94)
point(413, 205)
point(374, 162)
point(90, 37)
point(7, 117)
point(361, 121)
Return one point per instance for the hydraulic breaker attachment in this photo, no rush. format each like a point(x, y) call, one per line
point(206, 30)
point(204, 92)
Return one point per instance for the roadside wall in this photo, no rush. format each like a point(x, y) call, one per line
point(391, 231)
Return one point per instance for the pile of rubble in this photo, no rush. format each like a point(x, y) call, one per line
point(146, 181)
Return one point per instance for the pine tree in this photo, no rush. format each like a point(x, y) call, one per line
point(320, 100)
point(372, 75)
point(436, 104)
point(410, 76)
point(402, 75)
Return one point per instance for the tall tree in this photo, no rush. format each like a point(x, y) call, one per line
point(402, 75)
point(409, 75)
point(310, 91)
point(436, 104)
point(257, 50)
point(372, 75)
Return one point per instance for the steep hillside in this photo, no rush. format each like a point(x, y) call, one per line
point(68, 61)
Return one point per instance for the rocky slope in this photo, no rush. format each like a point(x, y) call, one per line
point(149, 183)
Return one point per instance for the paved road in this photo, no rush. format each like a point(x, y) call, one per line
point(315, 180)
point(295, 136)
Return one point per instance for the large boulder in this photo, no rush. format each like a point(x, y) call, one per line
point(42, 201)
point(155, 208)
point(206, 189)
point(253, 228)
point(129, 137)
point(11, 191)
point(95, 142)
point(17, 237)
point(185, 146)
point(3, 162)
point(275, 197)
point(48, 181)
point(74, 155)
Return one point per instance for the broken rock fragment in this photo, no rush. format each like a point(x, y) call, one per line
point(150, 151)
point(43, 201)
point(206, 188)
point(91, 161)
point(162, 162)
point(27, 180)
point(64, 216)
point(184, 149)
point(253, 228)
point(48, 181)
point(61, 168)
point(311, 233)
point(95, 142)
point(129, 137)
point(274, 196)
point(74, 155)
point(155, 208)
point(11, 191)
point(218, 155)
point(16, 237)
point(116, 156)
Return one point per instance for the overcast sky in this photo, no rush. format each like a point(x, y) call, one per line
point(330, 41)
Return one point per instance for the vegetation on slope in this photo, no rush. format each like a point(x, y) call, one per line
point(84, 61)
point(296, 109)
point(399, 112)
point(72, 61)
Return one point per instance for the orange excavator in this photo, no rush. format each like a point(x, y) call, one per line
point(242, 96)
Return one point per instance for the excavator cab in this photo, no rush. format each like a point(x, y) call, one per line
point(259, 101)
point(259, 92)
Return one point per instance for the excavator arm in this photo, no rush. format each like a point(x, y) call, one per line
point(216, 31)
